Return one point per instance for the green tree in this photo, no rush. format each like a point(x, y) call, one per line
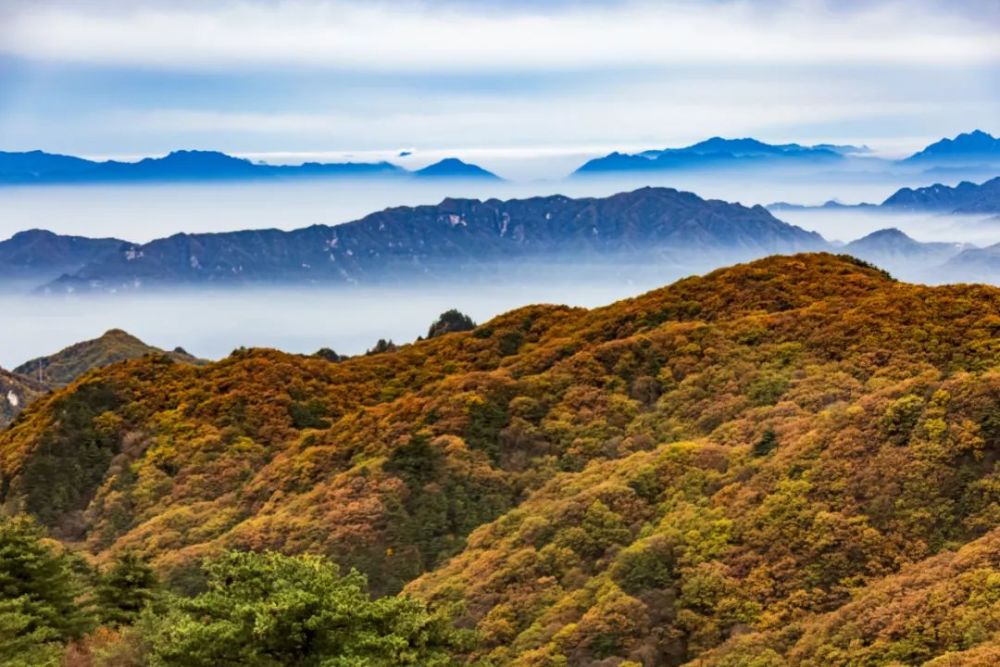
point(381, 347)
point(767, 443)
point(125, 589)
point(39, 593)
point(449, 321)
point(328, 354)
point(24, 642)
point(267, 609)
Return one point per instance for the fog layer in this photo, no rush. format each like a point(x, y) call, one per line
point(212, 323)
point(143, 212)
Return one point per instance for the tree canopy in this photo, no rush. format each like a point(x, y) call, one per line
point(271, 610)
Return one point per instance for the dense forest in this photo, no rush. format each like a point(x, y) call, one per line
point(787, 462)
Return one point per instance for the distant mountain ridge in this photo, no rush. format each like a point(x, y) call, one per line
point(892, 249)
point(973, 149)
point(714, 152)
point(829, 205)
point(37, 254)
point(457, 234)
point(974, 263)
point(970, 154)
point(38, 167)
point(965, 197)
point(976, 145)
point(454, 168)
point(647, 229)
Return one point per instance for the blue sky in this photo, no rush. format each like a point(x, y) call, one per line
point(287, 79)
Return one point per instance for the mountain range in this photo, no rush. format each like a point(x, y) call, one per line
point(964, 198)
point(37, 167)
point(787, 462)
point(655, 228)
point(456, 237)
point(972, 146)
point(975, 149)
point(714, 153)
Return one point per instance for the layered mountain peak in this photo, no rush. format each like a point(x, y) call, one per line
point(887, 235)
point(190, 157)
point(966, 197)
point(744, 145)
point(453, 167)
point(976, 144)
point(717, 152)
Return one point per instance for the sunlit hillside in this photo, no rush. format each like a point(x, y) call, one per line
point(786, 462)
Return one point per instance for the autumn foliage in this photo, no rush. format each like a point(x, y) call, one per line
point(788, 462)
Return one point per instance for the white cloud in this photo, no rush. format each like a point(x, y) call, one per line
point(424, 37)
point(458, 125)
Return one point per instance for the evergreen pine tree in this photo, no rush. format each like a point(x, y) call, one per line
point(39, 595)
point(125, 589)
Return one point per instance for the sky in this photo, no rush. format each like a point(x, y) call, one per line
point(282, 81)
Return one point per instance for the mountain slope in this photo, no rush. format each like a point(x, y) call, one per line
point(16, 392)
point(457, 236)
point(738, 452)
point(943, 606)
point(61, 368)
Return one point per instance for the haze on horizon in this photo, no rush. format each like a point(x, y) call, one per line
point(527, 89)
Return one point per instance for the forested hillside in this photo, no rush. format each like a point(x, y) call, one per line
point(61, 368)
point(30, 380)
point(787, 462)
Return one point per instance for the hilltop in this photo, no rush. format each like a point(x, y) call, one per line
point(742, 466)
point(61, 368)
point(34, 378)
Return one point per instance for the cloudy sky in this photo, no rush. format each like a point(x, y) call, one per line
point(271, 78)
